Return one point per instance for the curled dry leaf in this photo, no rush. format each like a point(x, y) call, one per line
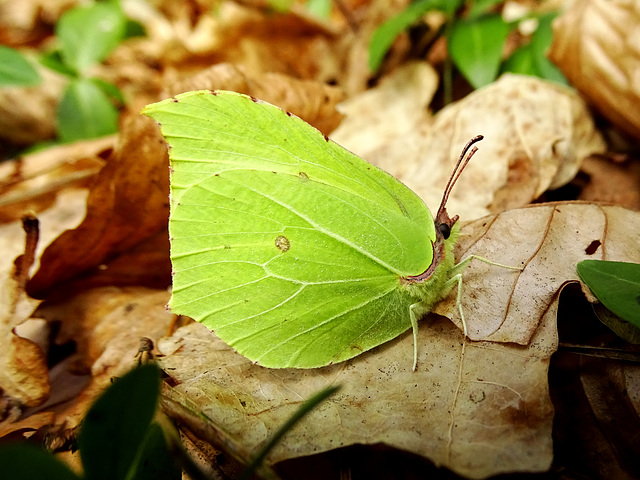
point(536, 135)
point(106, 324)
point(310, 100)
point(127, 205)
point(595, 45)
point(23, 365)
point(478, 407)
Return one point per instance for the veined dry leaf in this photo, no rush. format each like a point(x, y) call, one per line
point(595, 45)
point(536, 135)
point(127, 205)
point(478, 407)
point(310, 100)
point(548, 240)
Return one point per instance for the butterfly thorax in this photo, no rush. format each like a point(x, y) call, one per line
point(429, 286)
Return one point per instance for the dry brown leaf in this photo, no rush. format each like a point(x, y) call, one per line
point(261, 41)
point(595, 45)
point(536, 135)
point(106, 324)
point(611, 182)
point(127, 205)
point(478, 407)
point(27, 114)
point(310, 100)
point(30, 183)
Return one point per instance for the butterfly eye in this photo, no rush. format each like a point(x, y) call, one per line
point(445, 230)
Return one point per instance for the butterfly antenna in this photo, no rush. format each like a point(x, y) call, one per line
point(465, 156)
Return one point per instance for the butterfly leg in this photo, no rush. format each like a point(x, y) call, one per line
point(459, 267)
point(416, 311)
point(457, 278)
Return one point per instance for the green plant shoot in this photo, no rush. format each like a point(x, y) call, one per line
point(296, 252)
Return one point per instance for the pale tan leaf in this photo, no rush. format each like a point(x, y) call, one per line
point(595, 44)
point(394, 109)
point(536, 136)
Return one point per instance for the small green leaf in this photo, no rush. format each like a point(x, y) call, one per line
point(88, 34)
point(110, 89)
point(28, 462)
point(154, 461)
point(15, 69)
point(521, 61)
point(386, 33)
point(319, 8)
point(475, 46)
point(53, 61)
point(134, 29)
point(117, 423)
point(540, 43)
point(85, 112)
point(480, 7)
point(531, 59)
point(616, 285)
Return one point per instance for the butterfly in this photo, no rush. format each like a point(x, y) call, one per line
point(293, 250)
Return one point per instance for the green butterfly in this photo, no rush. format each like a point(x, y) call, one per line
point(296, 252)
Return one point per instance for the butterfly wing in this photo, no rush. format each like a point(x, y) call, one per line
point(285, 244)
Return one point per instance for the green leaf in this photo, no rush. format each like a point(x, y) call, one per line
point(531, 59)
point(53, 61)
point(110, 89)
point(133, 29)
point(386, 33)
point(88, 34)
point(319, 8)
point(296, 252)
point(480, 7)
point(616, 285)
point(85, 112)
point(540, 43)
point(475, 46)
point(15, 69)
point(116, 425)
point(28, 462)
point(155, 461)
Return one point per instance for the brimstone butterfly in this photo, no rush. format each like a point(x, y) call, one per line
point(296, 252)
